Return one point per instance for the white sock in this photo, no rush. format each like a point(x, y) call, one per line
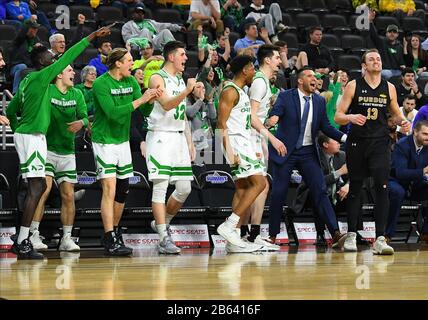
point(168, 218)
point(162, 231)
point(67, 230)
point(233, 220)
point(34, 226)
point(23, 234)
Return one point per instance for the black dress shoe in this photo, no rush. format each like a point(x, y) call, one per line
point(321, 241)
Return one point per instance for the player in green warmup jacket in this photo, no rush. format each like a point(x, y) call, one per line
point(68, 115)
point(32, 102)
point(116, 95)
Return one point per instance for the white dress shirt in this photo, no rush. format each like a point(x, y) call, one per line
point(307, 138)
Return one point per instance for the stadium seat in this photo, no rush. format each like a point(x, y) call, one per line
point(179, 36)
point(307, 20)
point(349, 62)
point(291, 6)
point(414, 25)
point(43, 34)
point(68, 33)
point(353, 43)
point(343, 7)
point(233, 36)
point(87, 11)
point(217, 189)
point(382, 22)
point(330, 40)
point(290, 39)
point(83, 59)
point(7, 32)
point(316, 6)
point(115, 37)
point(287, 20)
point(168, 15)
point(140, 192)
point(192, 61)
point(192, 39)
point(107, 15)
point(336, 24)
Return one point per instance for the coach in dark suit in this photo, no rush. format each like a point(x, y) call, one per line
point(333, 166)
point(300, 115)
point(409, 178)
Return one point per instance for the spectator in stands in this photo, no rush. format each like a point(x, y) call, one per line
point(104, 48)
point(287, 64)
point(57, 43)
point(316, 55)
point(67, 2)
point(250, 40)
point(207, 14)
point(269, 17)
point(158, 33)
point(414, 56)
point(422, 115)
point(390, 49)
point(21, 48)
point(211, 78)
point(148, 63)
point(401, 9)
point(88, 76)
point(224, 49)
point(409, 177)
point(407, 86)
point(409, 111)
point(338, 82)
point(201, 112)
point(125, 5)
point(3, 19)
point(2, 67)
point(231, 14)
point(333, 166)
point(20, 11)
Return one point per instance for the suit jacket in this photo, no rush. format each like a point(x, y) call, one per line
point(287, 108)
point(302, 192)
point(407, 166)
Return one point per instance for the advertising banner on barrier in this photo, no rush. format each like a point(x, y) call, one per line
point(185, 236)
point(5, 242)
point(306, 232)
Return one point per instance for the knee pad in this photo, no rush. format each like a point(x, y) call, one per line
point(182, 191)
point(122, 190)
point(159, 191)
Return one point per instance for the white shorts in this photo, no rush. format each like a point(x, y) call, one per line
point(249, 163)
point(62, 167)
point(257, 142)
point(32, 151)
point(167, 156)
point(113, 160)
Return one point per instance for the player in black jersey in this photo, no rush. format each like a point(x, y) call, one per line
point(366, 104)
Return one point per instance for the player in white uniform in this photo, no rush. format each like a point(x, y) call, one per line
point(260, 96)
point(234, 121)
point(169, 146)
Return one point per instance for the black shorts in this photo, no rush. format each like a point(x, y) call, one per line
point(368, 158)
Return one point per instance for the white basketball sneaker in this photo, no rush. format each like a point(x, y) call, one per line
point(67, 244)
point(266, 245)
point(36, 240)
point(381, 247)
point(228, 231)
point(350, 244)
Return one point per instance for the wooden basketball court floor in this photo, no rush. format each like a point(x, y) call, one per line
point(304, 272)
